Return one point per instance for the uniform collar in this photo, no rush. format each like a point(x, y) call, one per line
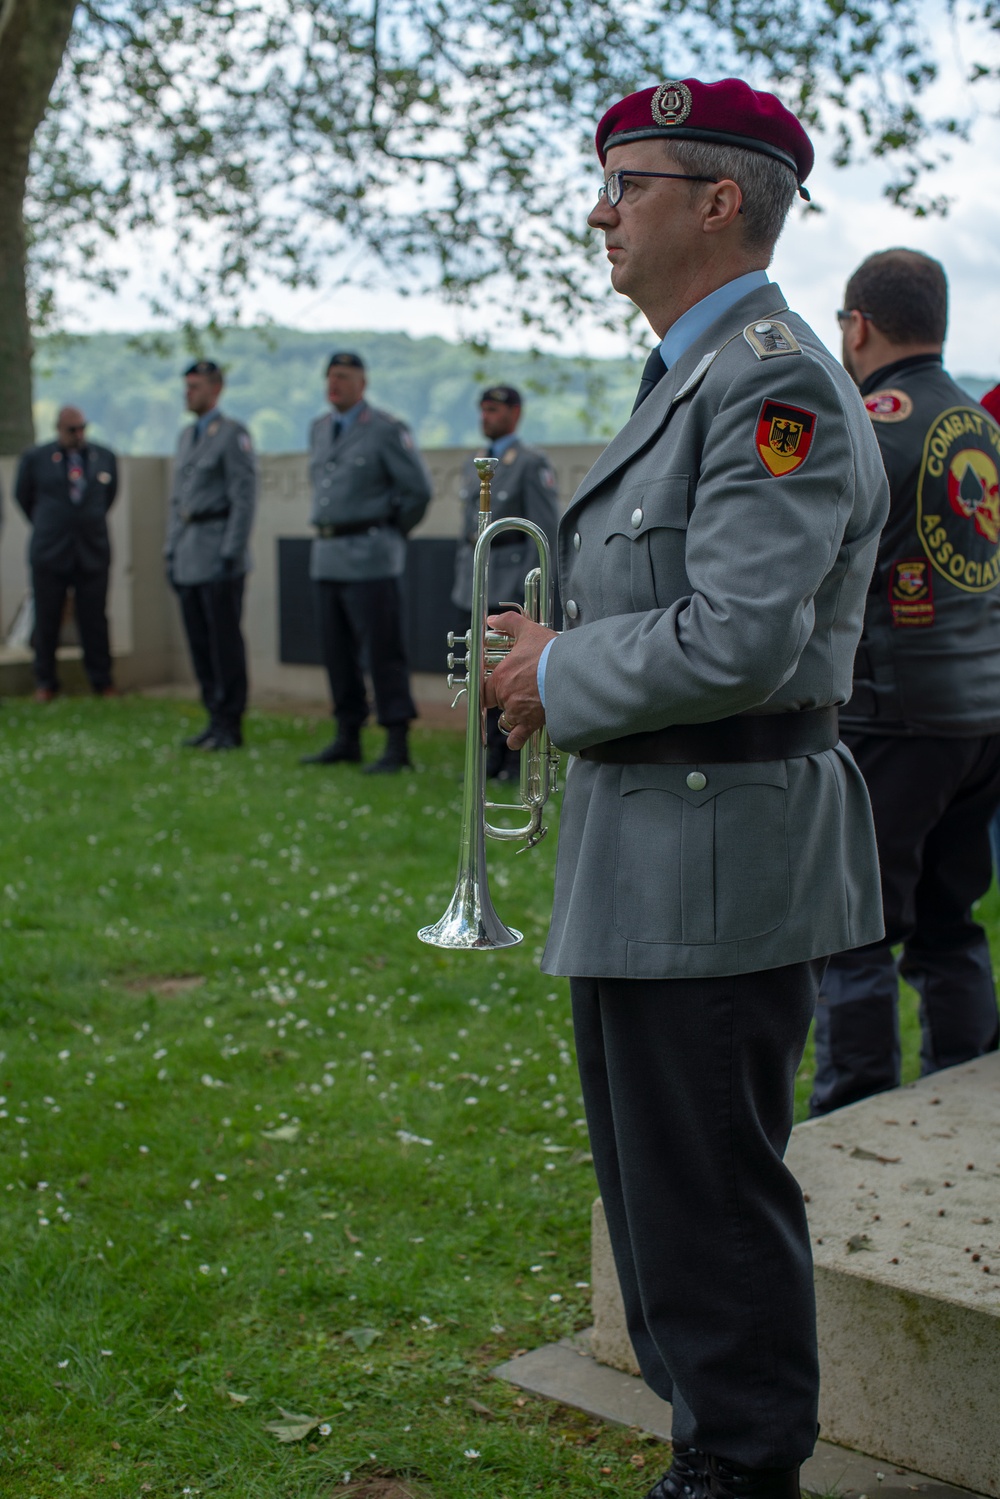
point(499, 445)
point(693, 323)
point(203, 421)
point(889, 371)
point(347, 418)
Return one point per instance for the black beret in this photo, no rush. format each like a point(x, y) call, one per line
point(351, 361)
point(204, 367)
point(505, 394)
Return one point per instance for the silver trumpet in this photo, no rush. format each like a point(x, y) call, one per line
point(470, 920)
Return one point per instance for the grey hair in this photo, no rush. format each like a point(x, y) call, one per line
point(768, 186)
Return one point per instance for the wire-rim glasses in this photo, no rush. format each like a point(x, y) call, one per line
point(613, 185)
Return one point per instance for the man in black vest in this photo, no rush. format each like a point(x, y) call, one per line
point(66, 489)
point(923, 722)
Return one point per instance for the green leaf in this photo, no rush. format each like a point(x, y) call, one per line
point(293, 1427)
point(362, 1337)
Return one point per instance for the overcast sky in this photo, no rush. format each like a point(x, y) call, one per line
point(815, 255)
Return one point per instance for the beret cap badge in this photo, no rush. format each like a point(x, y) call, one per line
point(671, 103)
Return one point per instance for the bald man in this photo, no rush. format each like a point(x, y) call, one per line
point(66, 489)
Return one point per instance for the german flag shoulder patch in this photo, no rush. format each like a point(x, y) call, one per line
point(784, 436)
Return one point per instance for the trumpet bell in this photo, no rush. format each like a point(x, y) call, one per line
point(470, 921)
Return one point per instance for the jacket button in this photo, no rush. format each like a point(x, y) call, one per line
point(576, 541)
point(572, 611)
point(763, 328)
point(697, 781)
point(636, 518)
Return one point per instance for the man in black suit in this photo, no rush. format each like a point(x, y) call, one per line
point(66, 489)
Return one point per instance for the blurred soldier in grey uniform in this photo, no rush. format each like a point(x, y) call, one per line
point(208, 531)
point(369, 489)
point(923, 721)
point(66, 489)
point(716, 840)
point(524, 484)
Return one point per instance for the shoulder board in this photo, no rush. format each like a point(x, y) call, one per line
point(769, 339)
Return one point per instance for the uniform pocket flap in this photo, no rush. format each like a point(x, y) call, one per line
point(675, 778)
point(643, 507)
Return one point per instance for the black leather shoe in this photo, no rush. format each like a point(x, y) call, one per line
point(197, 740)
point(339, 749)
point(223, 739)
point(730, 1481)
point(396, 755)
point(686, 1478)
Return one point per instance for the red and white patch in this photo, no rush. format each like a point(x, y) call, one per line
point(888, 405)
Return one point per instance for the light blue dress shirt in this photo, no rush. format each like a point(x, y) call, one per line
point(676, 341)
point(346, 418)
point(499, 445)
point(202, 423)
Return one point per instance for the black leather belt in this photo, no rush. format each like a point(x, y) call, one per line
point(352, 528)
point(199, 517)
point(747, 737)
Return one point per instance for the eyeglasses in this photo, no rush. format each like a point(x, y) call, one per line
point(614, 184)
point(81, 428)
point(844, 314)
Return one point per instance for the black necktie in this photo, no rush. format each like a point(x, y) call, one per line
point(653, 371)
point(338, 427)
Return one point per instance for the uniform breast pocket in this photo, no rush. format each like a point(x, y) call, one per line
point(644, 544)
point(701, 863)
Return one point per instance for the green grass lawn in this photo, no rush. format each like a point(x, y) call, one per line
point(261, 1152)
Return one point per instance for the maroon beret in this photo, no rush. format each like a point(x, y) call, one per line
point(727, 113)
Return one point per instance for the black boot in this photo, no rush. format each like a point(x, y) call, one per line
point(396, 755)
point(728, 1480)
point(346, 746)
point(197, 740)
point(686, 1478)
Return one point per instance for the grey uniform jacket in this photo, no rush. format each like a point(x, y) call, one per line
point(715, 561)
point(212, 503)
point(523, 484)
point(372, 474)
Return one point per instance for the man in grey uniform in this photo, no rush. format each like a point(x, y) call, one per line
point(525, 485)
point(207, 558)
point(370, 488)
point(716, 839)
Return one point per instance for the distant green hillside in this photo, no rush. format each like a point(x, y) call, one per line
point(134, 400)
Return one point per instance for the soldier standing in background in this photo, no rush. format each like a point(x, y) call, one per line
point(212, 507)
point(369, 489)
point(524, 484)
point(66, 489)
point(923, 721)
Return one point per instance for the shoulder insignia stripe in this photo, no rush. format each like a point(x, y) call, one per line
point(769, 339)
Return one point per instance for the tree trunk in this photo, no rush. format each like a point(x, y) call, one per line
point(33, 36)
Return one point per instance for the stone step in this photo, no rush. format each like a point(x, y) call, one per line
point(903, 1196)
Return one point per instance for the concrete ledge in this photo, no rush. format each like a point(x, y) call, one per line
point(568, 1372)
point(903, 1195)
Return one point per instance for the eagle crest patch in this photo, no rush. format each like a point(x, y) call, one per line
point(784, 437)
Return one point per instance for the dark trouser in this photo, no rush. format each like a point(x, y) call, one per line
point(90, 594)
point(363, 622)
point(211, 614)
point(688, 1086)
point(932, 801)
